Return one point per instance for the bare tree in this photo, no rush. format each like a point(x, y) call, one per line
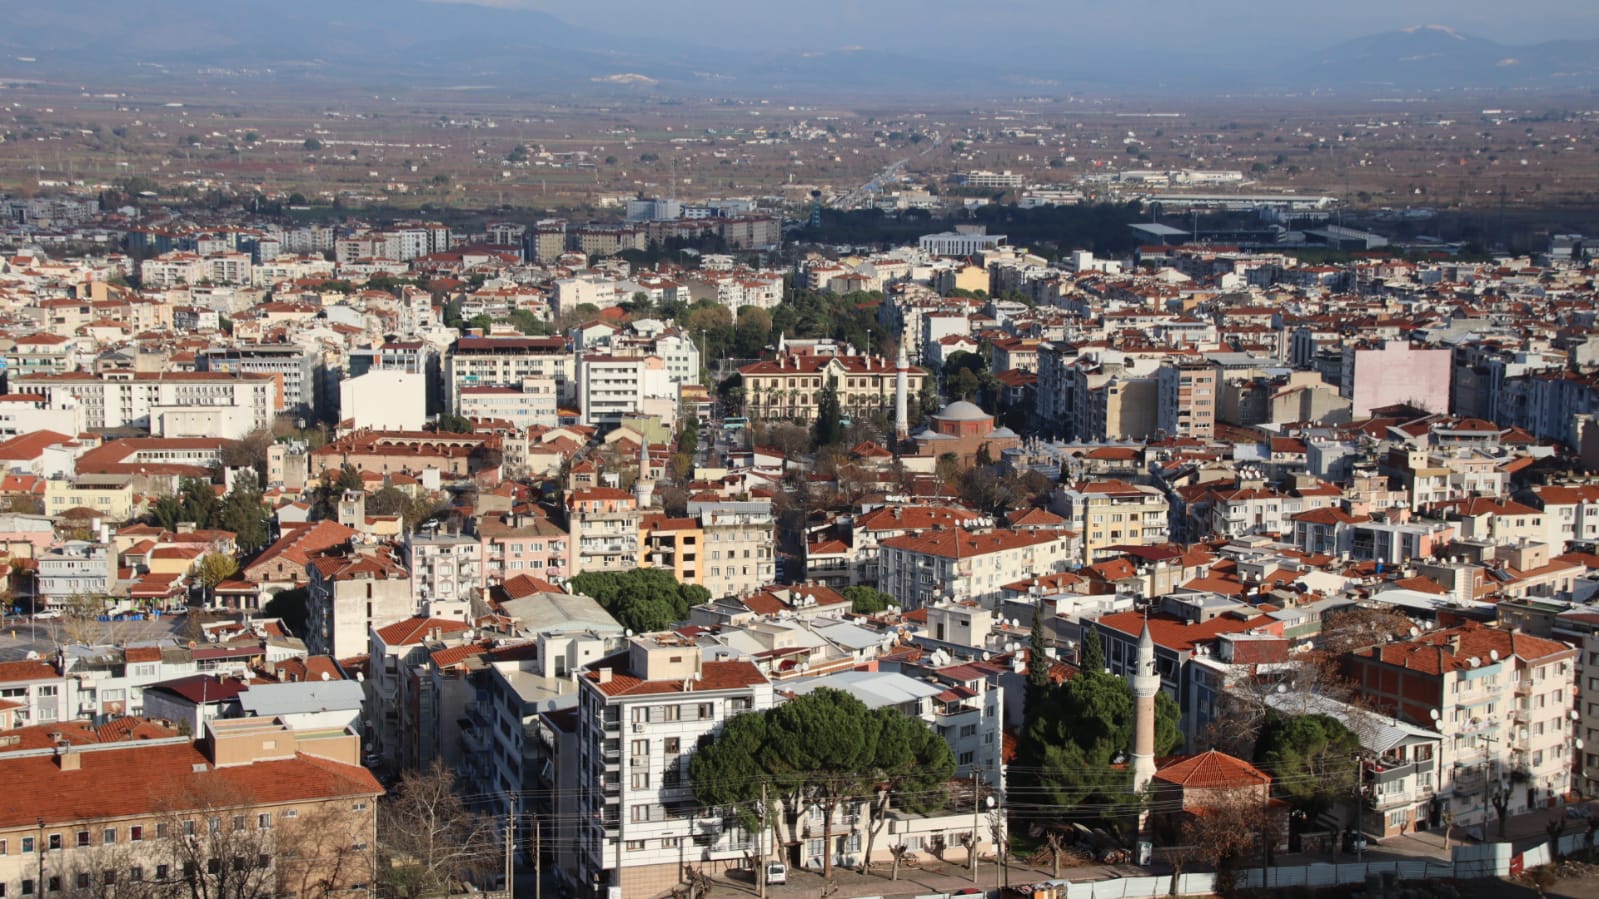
point(429, 840)
point(324, 851)
point(897, 851)
point(212, 843)
point(1232, 826)
point(1348, 630)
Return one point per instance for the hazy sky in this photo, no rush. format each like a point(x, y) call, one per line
point(1156, 24)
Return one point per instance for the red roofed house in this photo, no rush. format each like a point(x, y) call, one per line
point(920, 569)
point(1503, 702)
point(255, 777)
point(643, 710)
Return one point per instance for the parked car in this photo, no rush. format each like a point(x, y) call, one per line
point(776, 872)
point(44, 614)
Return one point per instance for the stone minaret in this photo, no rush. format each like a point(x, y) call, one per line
point(902, 424)
point(644, 487)
point(1146, 684)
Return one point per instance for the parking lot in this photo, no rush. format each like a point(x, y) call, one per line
point(20, 636)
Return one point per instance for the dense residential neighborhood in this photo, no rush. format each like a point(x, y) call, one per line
point(646, 571)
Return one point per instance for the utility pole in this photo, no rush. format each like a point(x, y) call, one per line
point(510, 846)
point(977, 803)
point(760, 856)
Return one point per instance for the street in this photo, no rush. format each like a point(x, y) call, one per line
point(20, 636)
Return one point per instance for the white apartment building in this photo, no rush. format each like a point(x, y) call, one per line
point(27, 413)
point(446, 573)
point(739, 537)
point(77, 568)
point(532, 404)
point(385, 400)
point(351, 593)
point(509, 362)
point(1502, 702)
point(610, 387)
point(921, 569)
point(122, 399)
point(640, 714)
point(595, 290)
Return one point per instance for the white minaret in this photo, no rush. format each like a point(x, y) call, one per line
point(1146, 684)
point(644, 487)
point(902, 424)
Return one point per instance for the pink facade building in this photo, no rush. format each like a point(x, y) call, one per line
point(1394, 373)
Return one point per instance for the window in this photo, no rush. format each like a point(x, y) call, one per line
point(136, 833)
point(635, 845)
point(238, 822)
point(966, 758)
point(27, 844)
point(27, 886)
point(263, 820)
point(108, 877)
point(670, 842)
point(188, 828)
point(83, 838)
point(55, 841)
point(707, 710)
point(162, 872)
point(289, 813)
point(136, 874)
point(54, 884)
point(213, 866)
point(674, 745)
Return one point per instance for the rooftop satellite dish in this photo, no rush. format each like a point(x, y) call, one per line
point(1414, 631)
point(1493, 654)
point(1434, 714)
point(1474, 662)
point(325, 676)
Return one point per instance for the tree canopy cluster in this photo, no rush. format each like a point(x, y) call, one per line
point(240, 510)
point(641, 600)
point(1076, 739)
point(823, 749)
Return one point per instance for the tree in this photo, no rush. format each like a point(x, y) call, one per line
point(323, 852)
point(828, 427)
point(1228, 831)
point(643, 599)
point(1314, 759)
point(1355, 628)
point(208, 837)
point(289, 605)
point(822, 750)
point(213, 568)
point(244, 513)
point(1091, 656)
point(1039, 663)
point(866, 600)
point(312, 145)
point(430, 842)
point(455, 424)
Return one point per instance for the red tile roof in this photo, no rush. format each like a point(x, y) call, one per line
point(1213, 770)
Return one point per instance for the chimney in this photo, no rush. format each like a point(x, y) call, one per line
point(66, 758)
point(605, 675)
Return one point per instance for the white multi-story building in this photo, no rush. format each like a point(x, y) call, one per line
point(75, 569)
point(301, 372)
point(640, 715)
point(446, 573)
point(921, 569)
point(27, 413)
point(122, 399)
point(610, 387)
point(1501, 701)
point(533, 404)
point(508, 362)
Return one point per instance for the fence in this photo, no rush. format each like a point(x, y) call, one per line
point(1467, 863)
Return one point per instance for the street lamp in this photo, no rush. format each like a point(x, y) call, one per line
point(996, 833)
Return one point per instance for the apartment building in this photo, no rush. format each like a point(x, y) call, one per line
point(446, 572)
point(737, 547)
point(1393, 372)
point(308, 388)
point(533, 403)
point(610, 387)
point(349, 592)
point(921, 569)
point(401, 712)
point(509, 362)
point(73, 570)
point(1187, 394)
point(519, 543)
point(1502, 702)
point(604, 527)
point(640, 714)
point(167, 403)
point(1111, 513)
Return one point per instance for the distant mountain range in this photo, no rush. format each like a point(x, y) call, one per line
point(382, 44)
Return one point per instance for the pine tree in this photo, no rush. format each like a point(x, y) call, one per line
point(1092, 656)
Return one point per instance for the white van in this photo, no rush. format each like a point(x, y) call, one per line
point(776, 872)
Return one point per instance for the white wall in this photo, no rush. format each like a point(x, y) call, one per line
point(385, 400)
